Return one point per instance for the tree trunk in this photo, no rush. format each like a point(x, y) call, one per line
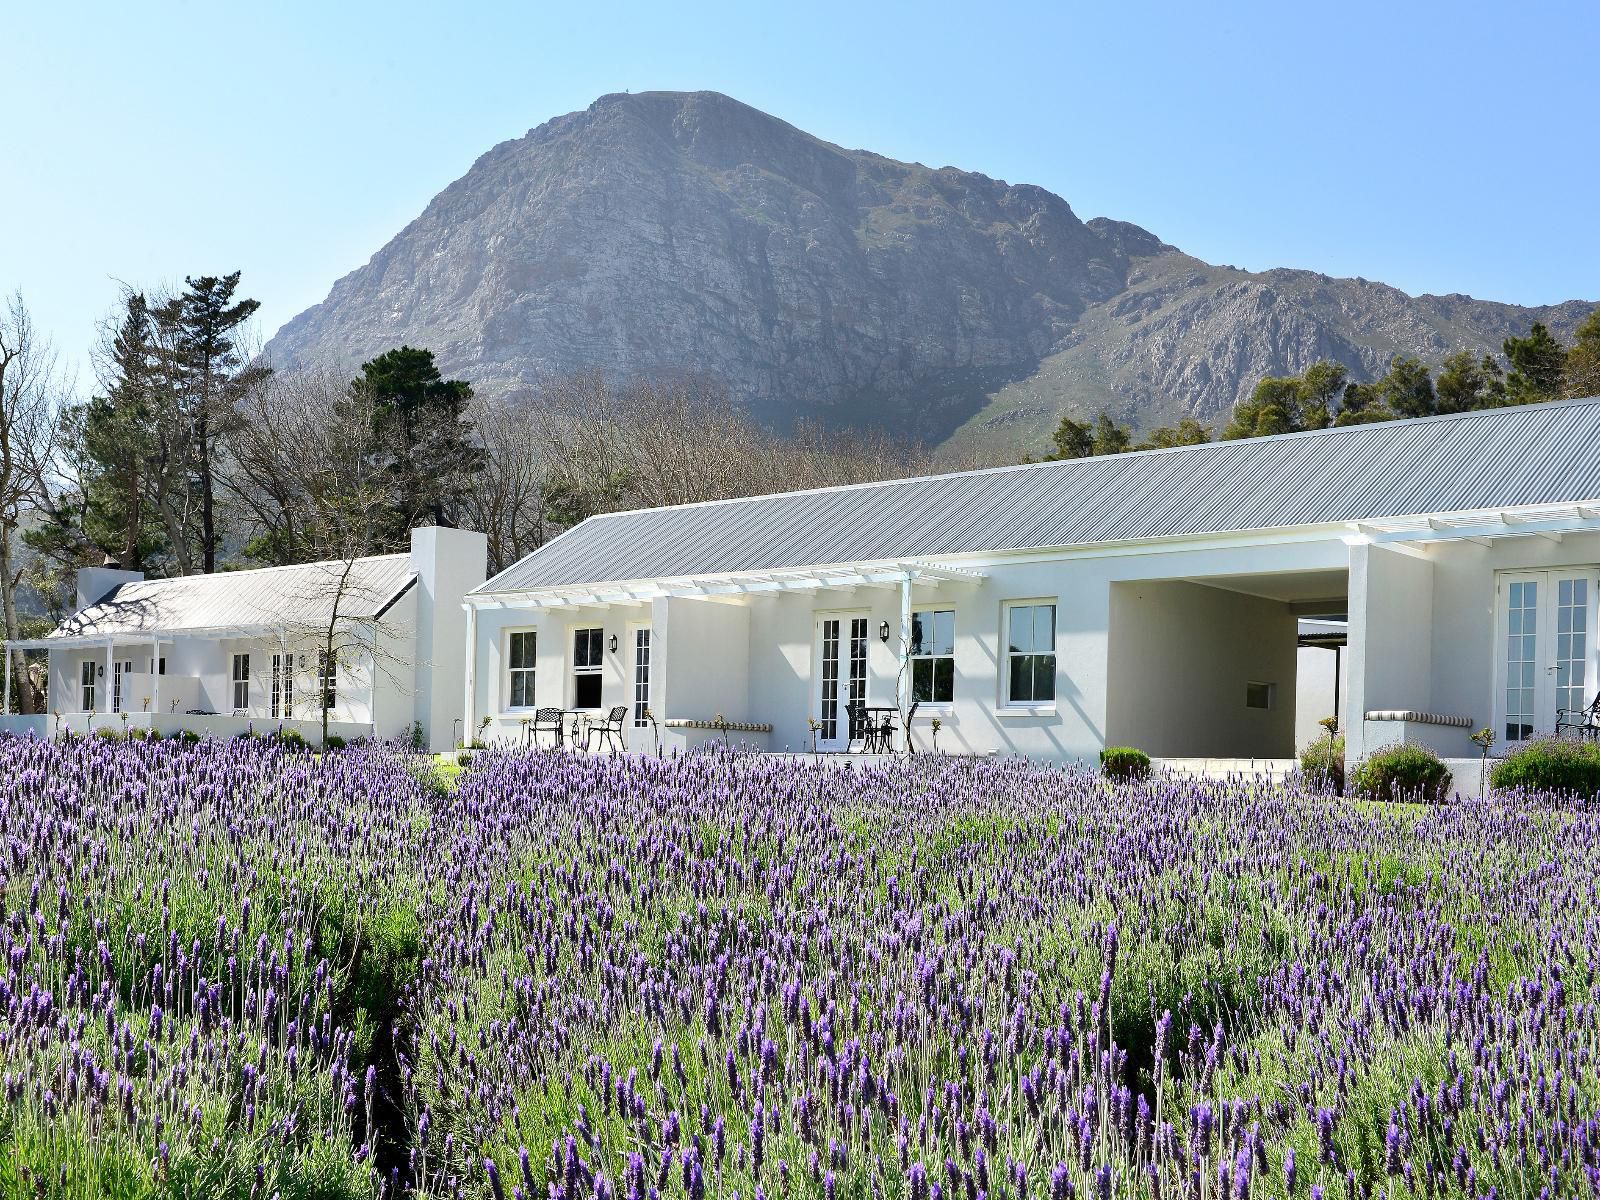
point(208, 529)
point(8, 601)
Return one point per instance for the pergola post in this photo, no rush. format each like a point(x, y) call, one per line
point(6, 706)
point(903, 668)
point(471, 674)
point(155, 672)
point(111, 678)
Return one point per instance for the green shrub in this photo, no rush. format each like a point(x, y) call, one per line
point(108, 734)
point(187, 737)
point(1403, 772)
point(1322, 763)
point(333, 742)
point(1551, 765)
point(292, 738)
point(1124, 763)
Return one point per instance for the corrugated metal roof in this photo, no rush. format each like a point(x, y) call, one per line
point(298, 597)
point(1535, 454)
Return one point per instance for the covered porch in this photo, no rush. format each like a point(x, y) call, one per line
point(744, 658)
point(215, 680)
point(1225, 673)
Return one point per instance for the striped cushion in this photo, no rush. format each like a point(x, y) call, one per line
point(1418, 718)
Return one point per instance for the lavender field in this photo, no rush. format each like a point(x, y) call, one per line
point(245, 970)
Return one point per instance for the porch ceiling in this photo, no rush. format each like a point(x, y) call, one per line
point(1317, 589)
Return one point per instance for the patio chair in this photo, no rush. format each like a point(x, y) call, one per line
point(608, 731)
point(1579, 722)
point(551, 721)
point(860, 729)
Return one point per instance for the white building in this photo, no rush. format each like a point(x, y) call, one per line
point(239, 650)
point(1151, 599)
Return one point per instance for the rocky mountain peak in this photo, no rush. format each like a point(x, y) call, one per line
point(663, 232)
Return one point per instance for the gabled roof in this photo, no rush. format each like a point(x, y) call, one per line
point(1500, 458)
point(293, 598)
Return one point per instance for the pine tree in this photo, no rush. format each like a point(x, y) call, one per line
point(1583, 360)
point(1467, 383)
point(1407, 389)
point(211, 372)
point(422, 429)
point(1538, 363)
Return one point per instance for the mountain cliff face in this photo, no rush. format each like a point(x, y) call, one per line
point(686, 232)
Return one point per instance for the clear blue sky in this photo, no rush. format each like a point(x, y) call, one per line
point(1443, 147)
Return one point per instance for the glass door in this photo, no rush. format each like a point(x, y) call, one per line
point(1546, 660)
point(840, 656)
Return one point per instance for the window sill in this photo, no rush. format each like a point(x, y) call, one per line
point(1023, 711)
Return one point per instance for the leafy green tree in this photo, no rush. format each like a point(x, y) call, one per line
point(1538, 363)
point(1407, 389)
point(1288, 404)
point(1583, 360)
point(1187, 432)
point(1467, 383)
point(1072, 439)
point(1109, 437)
point(423, 431)
point(1320, 388)
point(1361, 404)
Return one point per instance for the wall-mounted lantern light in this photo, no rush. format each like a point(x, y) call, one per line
point(613, 643)
point(883, 631)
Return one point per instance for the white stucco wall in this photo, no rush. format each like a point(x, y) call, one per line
point(449, 563)
point(1427, 628)
point(1314, 692)
point(1181, 657)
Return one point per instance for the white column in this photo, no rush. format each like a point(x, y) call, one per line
point(467, 714)
point(155, 679)
point(903, 668)
point(5, 703)
point(111, 677)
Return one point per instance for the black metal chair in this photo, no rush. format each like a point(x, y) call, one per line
point(552, 721)
point(608, 731)
point(860, 729)
point(1579, 722)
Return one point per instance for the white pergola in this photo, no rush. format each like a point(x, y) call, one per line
point(1483, 527)
point(734, 587)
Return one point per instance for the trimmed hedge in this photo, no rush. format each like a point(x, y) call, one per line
point(1403, 772)
point(1124, 763)
point(1550, 764)
point(1322, 764)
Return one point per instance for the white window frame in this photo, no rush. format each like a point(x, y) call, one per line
point(86, 684)
point(238, 681)
point(1006, 609)
point(913, 659)
point(532, 672)
point(595, 668)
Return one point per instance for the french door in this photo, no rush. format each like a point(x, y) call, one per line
point(840, 675)
point(282, 685)
point(1546, 649)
